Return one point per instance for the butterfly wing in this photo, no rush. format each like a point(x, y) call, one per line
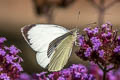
point(61, 53)
point(56, 42)
point(39, 36)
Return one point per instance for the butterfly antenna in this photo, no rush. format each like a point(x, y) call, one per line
point(77, 22)
point(78, 16)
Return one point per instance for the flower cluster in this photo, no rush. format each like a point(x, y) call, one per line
point(25, 76)
point(74, 72)
point(100, 45)
point(97, 72)
point(10, 67)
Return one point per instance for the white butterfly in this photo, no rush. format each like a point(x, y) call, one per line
point(52, 43)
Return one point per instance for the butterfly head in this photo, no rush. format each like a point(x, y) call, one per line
point(75, 32)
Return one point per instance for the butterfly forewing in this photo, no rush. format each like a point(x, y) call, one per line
point(61, 53)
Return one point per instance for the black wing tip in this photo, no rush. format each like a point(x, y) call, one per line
point(25, 30)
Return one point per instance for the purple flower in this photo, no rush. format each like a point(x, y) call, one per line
point(77, 75)
point(96, 46)
point(95, 40)
point(104, 35)
point(110, 66)
point(91, 77)
point(13, 50)
point(86, 29)
point(91, 31)
point(61, 78)
point(65, 72)
point(95, 70)
point(2, 52)
point(117, 49)
point(88, 52)
point(107, 28)
point(40, 74)
point(111, 77)
point(1, 69)
point(85, 76)
point(78, 68)
point(101, 53)
point(6, 47)
point(19, 59)
point(18, 66)
point(118, 38)
point(24, 76)
point(107, 34)
point(9, 59)
point(95, 30)
point(2, 39)
point(104, 26)
point(4, 76)
point(96, 43)
point(51, 76)
point(81, 40)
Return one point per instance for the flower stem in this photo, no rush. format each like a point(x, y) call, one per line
point(100, 66)
point(110, 69)
point(104, 73)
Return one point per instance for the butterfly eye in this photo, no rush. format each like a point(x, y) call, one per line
point(55, 45)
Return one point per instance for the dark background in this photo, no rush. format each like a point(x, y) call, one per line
point(14, 14)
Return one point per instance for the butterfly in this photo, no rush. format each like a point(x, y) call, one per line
point(52, 43)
